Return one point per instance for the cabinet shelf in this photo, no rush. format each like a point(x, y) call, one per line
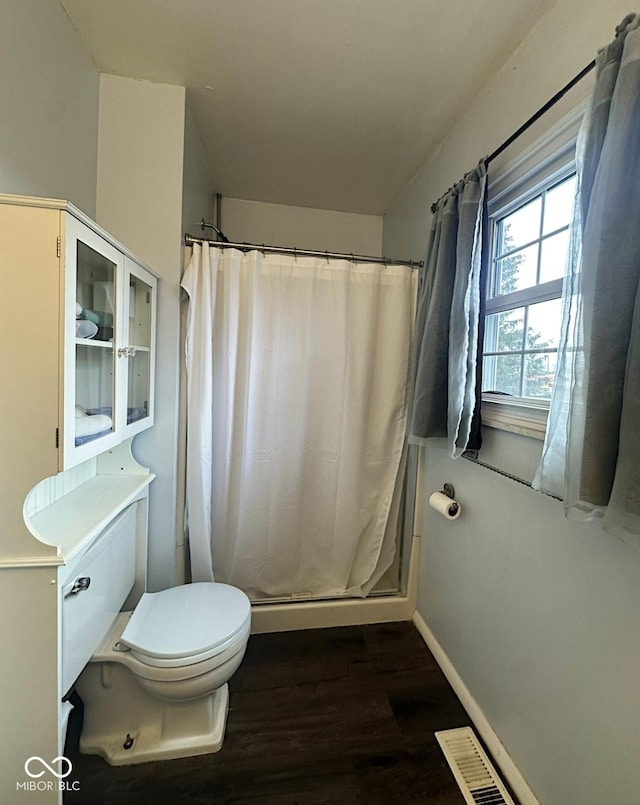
point(90, 342)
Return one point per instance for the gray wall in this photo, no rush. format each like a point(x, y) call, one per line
point(540, 617)
point(49, 91)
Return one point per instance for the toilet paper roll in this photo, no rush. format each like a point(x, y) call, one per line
point(445, 506)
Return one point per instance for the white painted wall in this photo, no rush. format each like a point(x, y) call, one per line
point(197, 192)
point(197, 203)
point(48, 105)
point(539, 617)
point(302, 227)
point(139, 200)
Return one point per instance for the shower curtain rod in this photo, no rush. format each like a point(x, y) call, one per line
point(356, 258)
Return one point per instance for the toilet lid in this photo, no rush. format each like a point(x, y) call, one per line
point(181, 622)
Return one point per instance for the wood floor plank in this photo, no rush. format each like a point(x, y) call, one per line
point(319, 717)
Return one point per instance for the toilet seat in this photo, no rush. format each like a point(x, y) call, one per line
point(174, 673)
point(187, 625)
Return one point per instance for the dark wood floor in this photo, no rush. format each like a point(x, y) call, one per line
point(327, 716)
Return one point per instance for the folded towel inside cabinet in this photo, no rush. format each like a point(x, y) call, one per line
point(85, 329)
point(84, 439)
point(89, 425)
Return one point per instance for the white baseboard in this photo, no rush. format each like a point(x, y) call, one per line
point(480, 721)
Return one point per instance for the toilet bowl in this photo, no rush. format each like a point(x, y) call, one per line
point(156, 688)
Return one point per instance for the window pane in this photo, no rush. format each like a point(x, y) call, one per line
point(502, 373)
point(521, 227)
point(516, 271)
point(488, 373)
point(543, 324)
point(558, 206)
point(529, 259)
point(554, 256)
point(539, 374)
point(504, 332)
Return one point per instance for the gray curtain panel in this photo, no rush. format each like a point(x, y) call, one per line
point(446, 341)
point(601, 403)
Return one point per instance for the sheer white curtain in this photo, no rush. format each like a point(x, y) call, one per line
point(592, 448)
point(297, 383)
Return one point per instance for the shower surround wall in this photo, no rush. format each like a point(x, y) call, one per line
point(538, 617)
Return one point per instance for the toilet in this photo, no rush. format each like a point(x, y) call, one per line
point(156, 688)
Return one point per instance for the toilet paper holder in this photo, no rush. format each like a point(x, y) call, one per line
point(450, 492)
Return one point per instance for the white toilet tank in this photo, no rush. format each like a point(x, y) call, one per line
point(94, 588)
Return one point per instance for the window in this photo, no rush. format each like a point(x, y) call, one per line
point(530, 202)
point(523, 310)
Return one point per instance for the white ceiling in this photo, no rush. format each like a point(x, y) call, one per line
point(333, 104)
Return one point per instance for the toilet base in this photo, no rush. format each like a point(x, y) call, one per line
point(153, 729)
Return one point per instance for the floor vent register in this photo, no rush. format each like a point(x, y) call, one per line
point(474, 772)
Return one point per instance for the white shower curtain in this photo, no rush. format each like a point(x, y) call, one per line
point(297, 383)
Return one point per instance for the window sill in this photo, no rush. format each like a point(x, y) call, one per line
point(517, 415)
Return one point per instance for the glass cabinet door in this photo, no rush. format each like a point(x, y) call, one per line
point(93, 270)
point(109, 362)
point(96, 288)
point(139, 305)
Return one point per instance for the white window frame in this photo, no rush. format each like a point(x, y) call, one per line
point(546, 162)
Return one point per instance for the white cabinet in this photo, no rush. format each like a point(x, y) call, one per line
point(109, 321)
point(79, 313)
point(77, 337)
